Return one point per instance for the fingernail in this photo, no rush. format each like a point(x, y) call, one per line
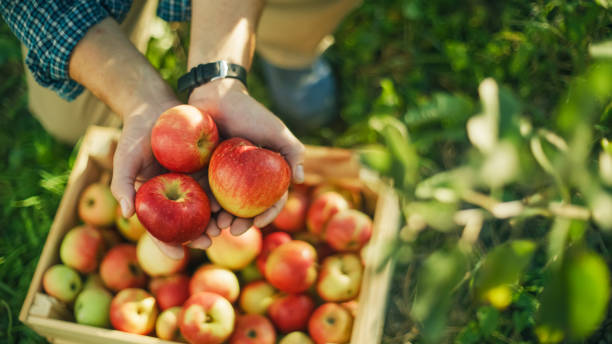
point(299, 174)
point(125, 207)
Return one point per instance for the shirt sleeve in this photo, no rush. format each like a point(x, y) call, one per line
point(174, 10)
point(50, 30)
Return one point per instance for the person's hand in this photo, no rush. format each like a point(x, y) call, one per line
point(237, 114)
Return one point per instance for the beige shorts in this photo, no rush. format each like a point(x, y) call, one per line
point(291, 33)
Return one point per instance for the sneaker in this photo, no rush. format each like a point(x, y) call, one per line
point(305, 98)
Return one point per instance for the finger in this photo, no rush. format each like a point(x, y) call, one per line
point(269, 215)
point(224, 219)
point(214, 205)
point(293, 151)
point(201, 243)
point(125, 167)
point(212, 230)
point(173, 251)
point(240, 225)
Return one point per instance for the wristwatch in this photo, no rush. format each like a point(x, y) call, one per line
point(208, 72)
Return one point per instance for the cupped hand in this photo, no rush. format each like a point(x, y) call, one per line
point(237, 114)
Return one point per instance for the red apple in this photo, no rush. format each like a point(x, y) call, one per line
point(82, 248)
point(253, 329)
point(246, 179)
point(62, 282)
point(215, 279)
point(154, 262)
point(352, 193)
point(133, 310)
point(293, 216)
point(173, 207)
point(183, 138)
point(296, 337)
point(170, 291)
point(256, 297)
point(348, 230)
point(97, 205)
point(270, 242)
point(235, 252)
point(131, 228)
point(291, 267)
point(340, 277)
point(330, 323)
point(207, 318)
point(120, 269)
point(166, 326)
point(321, 210)
point(291, 312)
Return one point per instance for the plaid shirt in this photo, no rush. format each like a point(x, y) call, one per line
point(51, 29)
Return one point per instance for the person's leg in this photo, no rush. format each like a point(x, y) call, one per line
point(291, 37)
point(68, 121)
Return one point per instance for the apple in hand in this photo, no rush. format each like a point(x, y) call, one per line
point(207, 318)
point(133, 310)
point(120, 269)
point(296, 337)
point(321, 210)
point(253, 329)
point(330, 323)
point(215, 279)
point(131, 228)
point(292, 267)
point(183, 138)
point(166, 326)
point(291, 312)
point(246, 179)
point(82, 248)
point(340, 277)
point(97, 205)
point(170, 291)
point(235, 252)
point(348, 230)
point(293, 216)
point(270, 242)
point(154, 262)
point(256, 297)
point(62, 282)
point(173, 207)
point(92, 307)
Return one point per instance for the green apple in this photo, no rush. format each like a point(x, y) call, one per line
point(92, 307)
point(296, 337)
point(166, 326)
point(340, 277)
point(62, 282)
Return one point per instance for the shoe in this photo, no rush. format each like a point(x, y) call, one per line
point(305, 98)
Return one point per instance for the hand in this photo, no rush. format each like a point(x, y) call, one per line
point(237, 114)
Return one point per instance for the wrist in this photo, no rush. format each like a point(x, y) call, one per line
point(216, 90)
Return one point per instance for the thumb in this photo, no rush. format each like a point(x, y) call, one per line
point(293, 151)
point(125, 168)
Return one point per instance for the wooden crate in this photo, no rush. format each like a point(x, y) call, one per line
point(53, 320)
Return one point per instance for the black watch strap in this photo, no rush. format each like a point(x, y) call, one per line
point(208, 72)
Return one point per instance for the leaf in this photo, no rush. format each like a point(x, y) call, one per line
point(488, 319)
point(442, 107)
point(437, 215)
point(376, 157)
point(602, 49)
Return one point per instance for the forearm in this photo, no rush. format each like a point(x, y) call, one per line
point(107, 64)
point(223, 30)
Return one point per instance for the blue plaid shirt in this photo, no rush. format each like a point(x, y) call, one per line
point(51, 29)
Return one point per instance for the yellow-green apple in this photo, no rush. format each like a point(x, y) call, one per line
point(166, 326)
point(270, 242)
point(253, 329)
point(296, 337)
point(207, 318)
point(154, 262)
point(291, 312)
point(352, 193)
point(215, 279)
point(93, 281)
point(321, 210)
point(183, 138)
point(235, 252)
point(120, 269)
point(293, 216)
point(250, 273)
point(348, 230)
point(173, 207)
point(330, 323)
point(92, 307)
point(130, 228)
point(170, 291)
point(97, 205)
point(62, 282)
point(292, 267)
point(246, 179)
point(257, 296)
point(82, 248)
point(340, 277)
point(133, 310)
